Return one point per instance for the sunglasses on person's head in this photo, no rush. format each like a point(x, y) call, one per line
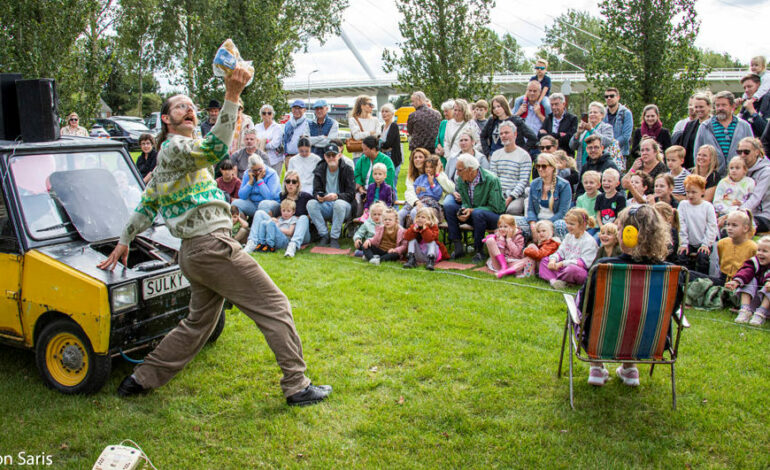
point(291, 181)
point(744, 151)
point(539, 67)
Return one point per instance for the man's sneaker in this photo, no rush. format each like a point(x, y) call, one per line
point(598, 376)
point(250, 246)
point(264, 248)
point(375, 260)
point(744, 315)
point(558, 284)
point(629, 376)
point(757, 320)
point(324, 241)
point(334, 243)
point(309, 396)
point(291, 250)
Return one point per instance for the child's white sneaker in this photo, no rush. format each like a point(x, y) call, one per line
point(375, 260)
point(250, 246)
point(757, 320)
point(629, 376)
point(291, 250)
point(598, 376)
point(744, 315)
point(558, 284)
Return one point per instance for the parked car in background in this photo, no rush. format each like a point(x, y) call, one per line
point(98, 132)
point(124, 129)
point(153, 123)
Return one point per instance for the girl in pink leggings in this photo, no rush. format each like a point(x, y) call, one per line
point(569, 265)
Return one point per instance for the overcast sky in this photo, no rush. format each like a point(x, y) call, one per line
point(737, 27)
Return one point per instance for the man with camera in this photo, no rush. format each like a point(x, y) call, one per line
point(334, 189)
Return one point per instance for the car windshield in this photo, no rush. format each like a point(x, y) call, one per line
point(132, 125)
point(43, 215)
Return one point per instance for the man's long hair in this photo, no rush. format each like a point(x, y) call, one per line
point(164, 109)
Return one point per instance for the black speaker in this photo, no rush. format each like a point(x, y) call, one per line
point(9, 107)
point(37, 109)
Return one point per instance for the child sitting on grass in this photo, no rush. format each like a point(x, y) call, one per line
point(592, 180)
point(608, 237)
point(379, 190)
point(738, 246)
point(422, 236)
point(240, 226)
point(545, 245)
point(671, 217)
point(505, 245)
point(229, 183)
point(388, 242)
point(366, 230)
point(575, 254)
point(610, 202)
point(697, 226)
point(275, 233)
point(752, 281)
point(664, 190)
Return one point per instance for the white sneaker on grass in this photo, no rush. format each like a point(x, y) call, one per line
point(375, 260)
point(250, 246)
point(629, 376)
point(744, 315)
point(757, 320)
point(598, 376)
point(291, 250)
point(558, 284)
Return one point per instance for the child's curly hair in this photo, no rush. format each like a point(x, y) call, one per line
point(654, 233)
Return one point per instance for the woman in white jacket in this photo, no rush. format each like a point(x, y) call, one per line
point(362, 123)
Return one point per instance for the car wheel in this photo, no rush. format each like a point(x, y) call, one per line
point(67, 361)
point(220, 325)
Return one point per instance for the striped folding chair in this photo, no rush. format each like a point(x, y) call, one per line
point(627, 317)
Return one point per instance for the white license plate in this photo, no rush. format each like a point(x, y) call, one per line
point(164, 284)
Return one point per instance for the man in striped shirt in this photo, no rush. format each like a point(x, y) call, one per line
point(512, 166)
point(723, 130)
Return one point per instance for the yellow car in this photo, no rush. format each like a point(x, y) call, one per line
point(63, 204)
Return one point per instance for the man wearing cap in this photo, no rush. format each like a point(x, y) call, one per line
point(334, 189)
point(323, 130)
point(296, 127)
point(213, 111)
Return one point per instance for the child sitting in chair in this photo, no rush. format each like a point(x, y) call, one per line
point(644, 238)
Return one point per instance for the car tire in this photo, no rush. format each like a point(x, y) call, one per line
point(66, 360)
point(220, 326)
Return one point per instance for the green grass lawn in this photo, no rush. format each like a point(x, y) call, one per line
point(429, 370)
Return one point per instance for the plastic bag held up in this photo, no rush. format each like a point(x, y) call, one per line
point(227, 58)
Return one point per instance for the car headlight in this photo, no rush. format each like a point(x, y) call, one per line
point(124, 297)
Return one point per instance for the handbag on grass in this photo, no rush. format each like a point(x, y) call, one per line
point(355, 145)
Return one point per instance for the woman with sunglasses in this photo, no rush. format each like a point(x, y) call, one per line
point(363, 123)
point(751, 151)
point(591, 124)
point(72, 127)
point(291, 190)
point(550, 198)
point(270, 137)
point(468, 143)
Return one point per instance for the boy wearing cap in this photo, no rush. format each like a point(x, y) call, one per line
point(334, 189)
point(323, 130)
point(296, 127)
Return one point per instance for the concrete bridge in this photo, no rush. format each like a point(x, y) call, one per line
point(509, 85)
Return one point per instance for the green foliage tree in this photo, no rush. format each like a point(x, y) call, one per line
point(447, 51)
point(569, 40)
point(121, 93)
point(512, 56)
point(137, 26)
point(716, 60)
point(647, 52)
